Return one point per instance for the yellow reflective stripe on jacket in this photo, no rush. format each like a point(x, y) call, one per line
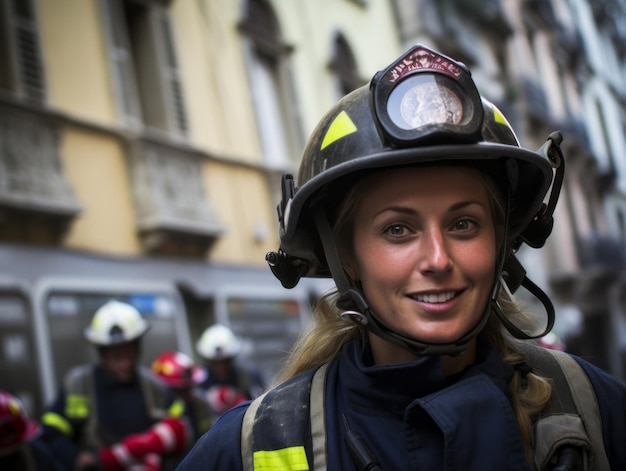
point(76, 406)
point(57, 421)
point(286, 459)
point(177, 409)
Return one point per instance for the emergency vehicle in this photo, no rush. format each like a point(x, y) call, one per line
point(48, 297)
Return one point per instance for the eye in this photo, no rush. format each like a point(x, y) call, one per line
point(396, 230)
point(464, 225)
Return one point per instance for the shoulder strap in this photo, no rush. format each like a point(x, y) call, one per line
point(244, 382)
point(572, 417)
point(284, 429)
point(79, 380)
point(79, 393)
point(27, 458)
point(154, 393)
point(81, 404)
point(587, 405)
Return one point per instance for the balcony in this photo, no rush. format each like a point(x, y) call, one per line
point(543, 10)
point(487, 13)
point(596, 251)
point(37, 204)
point(535, 99)
point(173, 217)
point(574, 133)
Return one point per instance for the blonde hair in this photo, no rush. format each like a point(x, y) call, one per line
point(324, 340)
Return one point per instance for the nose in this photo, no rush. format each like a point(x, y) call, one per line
point(435, 257)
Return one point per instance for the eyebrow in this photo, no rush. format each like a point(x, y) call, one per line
point(404, 210)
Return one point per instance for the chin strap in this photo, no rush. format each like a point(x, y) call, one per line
point(538, 230)
point(514, 275)
point(358, 310)
point(290, 269)
point(510, 275)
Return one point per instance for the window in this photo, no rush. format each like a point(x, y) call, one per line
point(19, 366)
point(344, 67)
point(605, 136)
point(267, 57)
point(145, 71)
point(21, 68)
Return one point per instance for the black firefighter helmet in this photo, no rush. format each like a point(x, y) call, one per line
point(424, 108)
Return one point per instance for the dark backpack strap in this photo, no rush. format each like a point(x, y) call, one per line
point(276, 429)
point(26, 461)
point(243, 380)
point(82, 399)
point(572, 417)
point(155, 395)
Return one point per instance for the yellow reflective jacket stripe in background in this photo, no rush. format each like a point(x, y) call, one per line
point(57, 421)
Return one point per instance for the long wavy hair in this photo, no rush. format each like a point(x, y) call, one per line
point(328, 333)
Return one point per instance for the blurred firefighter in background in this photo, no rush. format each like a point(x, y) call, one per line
point(21, 447)
point(116, 414)
point(180, 373)
point(227, 383)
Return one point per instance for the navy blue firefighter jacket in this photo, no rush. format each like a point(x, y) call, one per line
point(413, 417)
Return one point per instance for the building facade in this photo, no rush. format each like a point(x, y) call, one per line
point(141, 148)
point(142, 144)
point(556, 65)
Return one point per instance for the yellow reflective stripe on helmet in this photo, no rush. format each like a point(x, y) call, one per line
point(499, 117)
point(341, 126)
point(285, 459)
point(177, 408)
point(57, 421)
point(77, 406)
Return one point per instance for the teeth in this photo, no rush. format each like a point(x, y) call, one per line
point(435, 298)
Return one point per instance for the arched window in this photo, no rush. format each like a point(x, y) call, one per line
point(344, 67)
point(267, 57)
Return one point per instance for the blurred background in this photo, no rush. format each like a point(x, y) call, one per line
point(142, 144)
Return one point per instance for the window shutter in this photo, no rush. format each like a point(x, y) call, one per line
point(122, 68)
point(171, 75)
point(31, 84)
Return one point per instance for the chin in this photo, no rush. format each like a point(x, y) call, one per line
point(442, 336)
point(124, 379)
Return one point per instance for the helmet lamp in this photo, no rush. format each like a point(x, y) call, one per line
point(426, 96)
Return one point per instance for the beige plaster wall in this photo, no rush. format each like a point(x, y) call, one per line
point(96, 169)
point(309, 26)
point(240, 199)
point(74, 59)
point(216, 89)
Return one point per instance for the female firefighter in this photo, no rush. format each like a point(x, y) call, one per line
point(414, 195)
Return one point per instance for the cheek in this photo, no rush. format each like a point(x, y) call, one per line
point(479, 262)
point(380, 263)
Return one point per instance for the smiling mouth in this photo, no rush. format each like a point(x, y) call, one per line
point(435, 298)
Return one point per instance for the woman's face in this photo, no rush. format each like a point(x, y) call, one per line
point(424, 250)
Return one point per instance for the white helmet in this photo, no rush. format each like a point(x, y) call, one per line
point(115, 323)
point(218, 342)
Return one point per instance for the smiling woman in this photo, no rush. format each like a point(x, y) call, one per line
point(424, 252)
point(414, 195)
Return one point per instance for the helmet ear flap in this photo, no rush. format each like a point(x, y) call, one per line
point(286, 268)
point(538, 229)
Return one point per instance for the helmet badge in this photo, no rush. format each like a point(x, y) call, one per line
point(426, 96)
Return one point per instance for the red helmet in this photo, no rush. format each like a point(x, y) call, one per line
point(15, 426)
point(177, 369)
